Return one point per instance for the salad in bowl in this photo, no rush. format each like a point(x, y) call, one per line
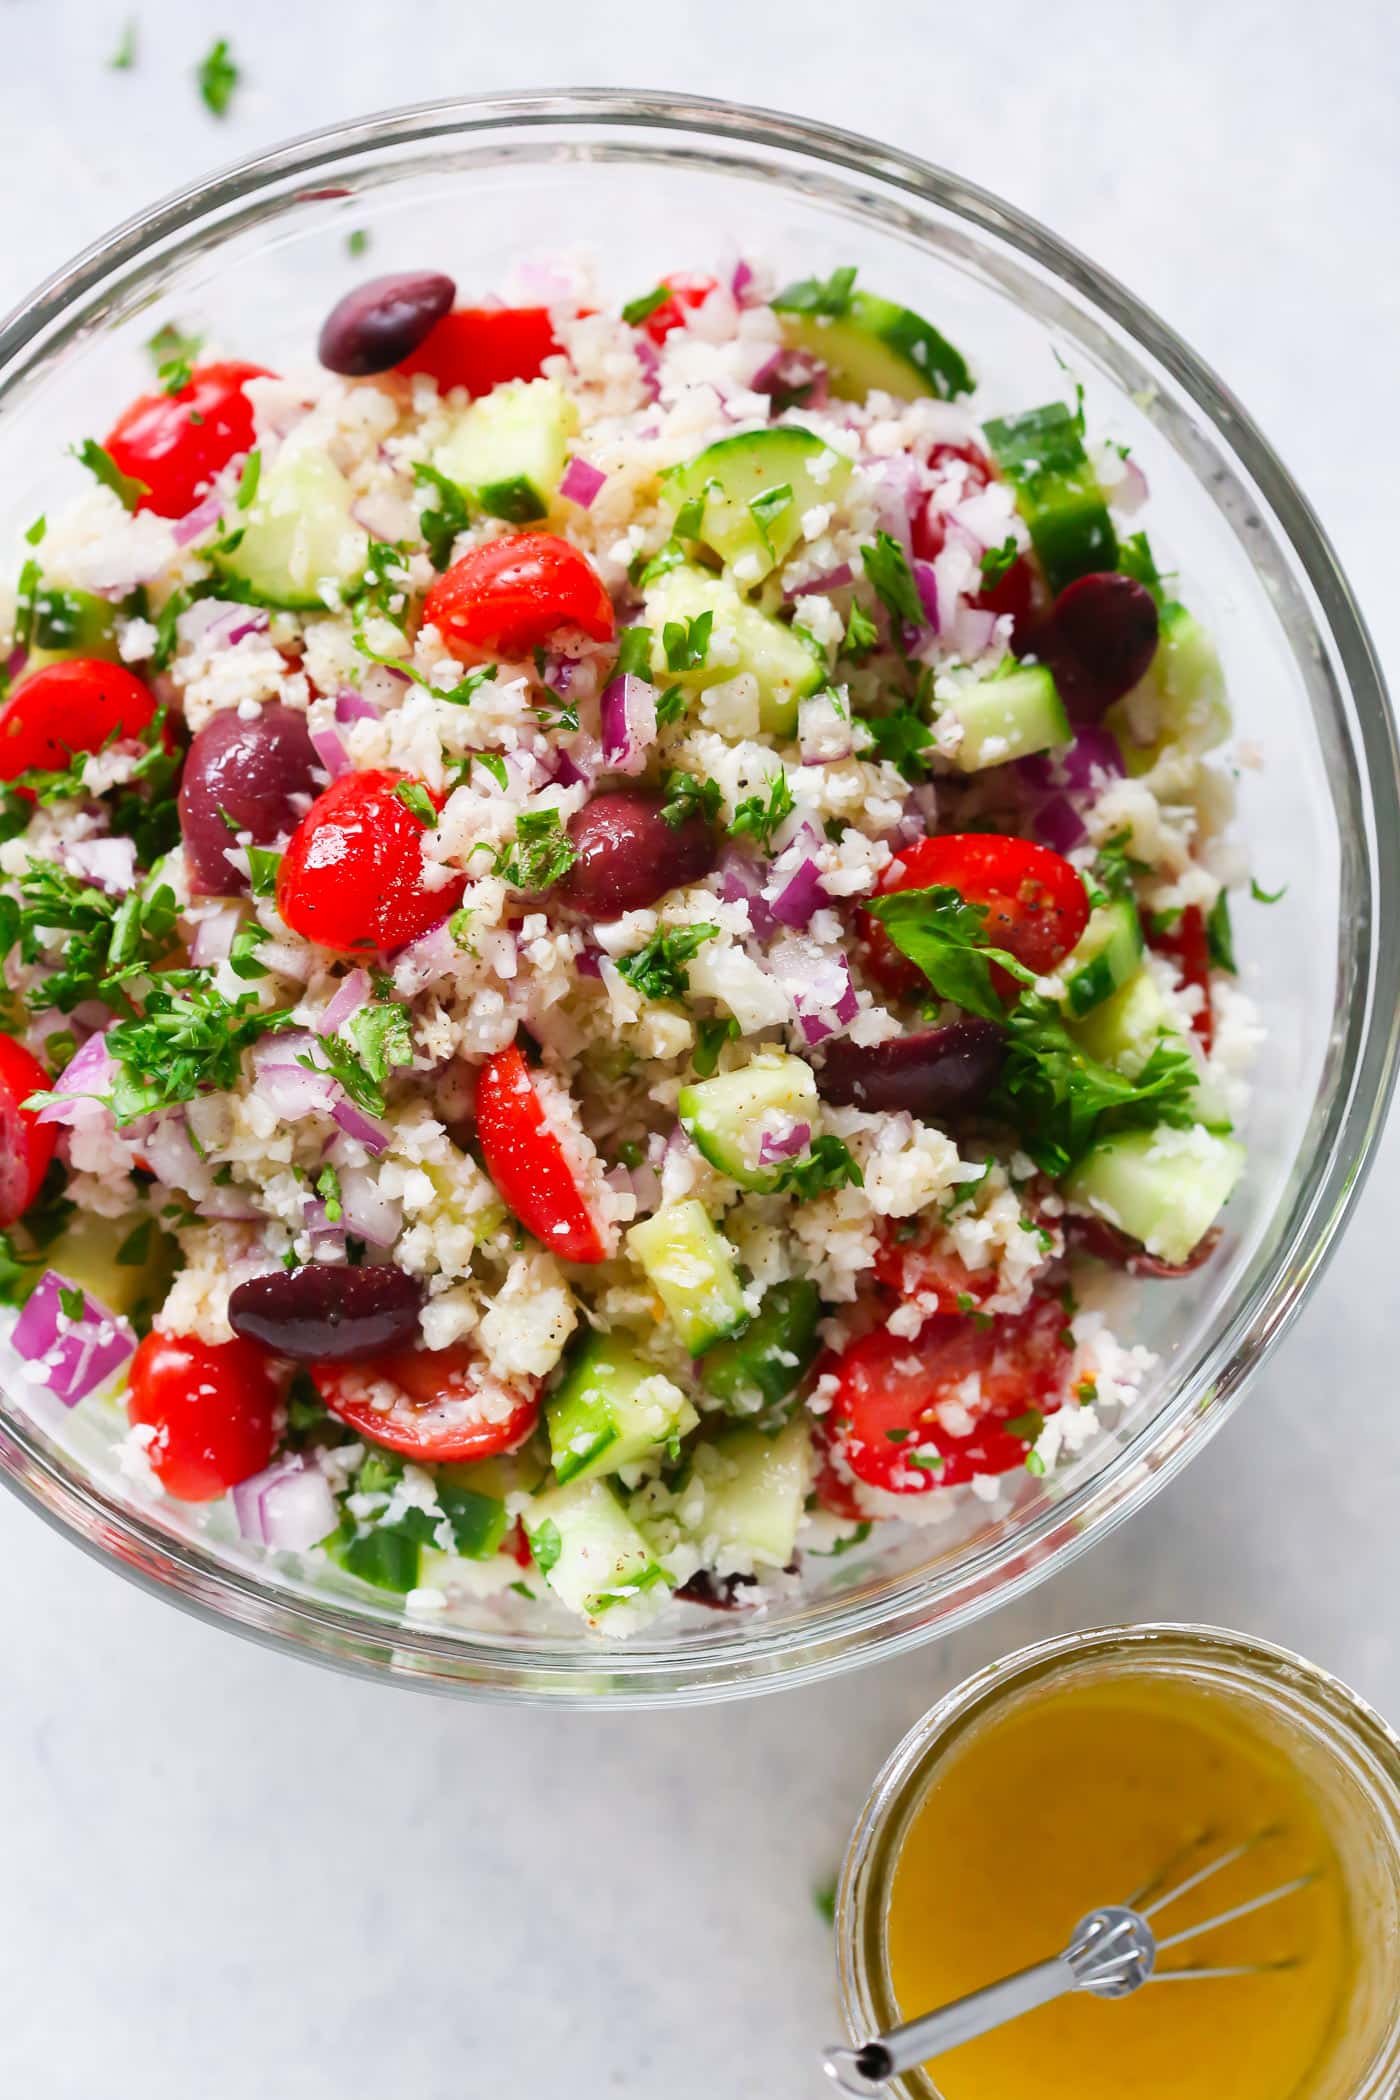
point(616, 938)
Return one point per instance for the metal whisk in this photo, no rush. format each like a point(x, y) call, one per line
point(1112, 1953)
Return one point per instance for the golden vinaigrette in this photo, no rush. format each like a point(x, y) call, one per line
point(1073, 1798)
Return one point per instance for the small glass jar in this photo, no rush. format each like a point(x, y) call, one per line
point(1349, 1755)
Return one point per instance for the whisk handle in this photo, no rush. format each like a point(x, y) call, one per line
point(866, 2070)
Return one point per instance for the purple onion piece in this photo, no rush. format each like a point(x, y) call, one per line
point(353, 707)
point(629, 723)
point(581, 482)
point(800, 895)
point(927, 582)
point(331, 752)
point(772, 1148)
point(72, 1358)
point(347, 999)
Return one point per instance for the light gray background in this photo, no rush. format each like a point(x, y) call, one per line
point(224, 1873)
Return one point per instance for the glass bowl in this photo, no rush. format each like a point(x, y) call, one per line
point(1348, 1755)
point(255, 257)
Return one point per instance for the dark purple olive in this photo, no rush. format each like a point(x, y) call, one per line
point(252, 771)
point(936, 1072)
point(628, 855)
point(328, 1314)
point(1099, 641)
point(381, 323)
point(717, 1592)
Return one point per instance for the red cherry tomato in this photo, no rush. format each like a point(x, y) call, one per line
point(514, 594)
point(176, 443)
point(443, 1406)
point(689, 289)
point(26, 1146)
point(352, 877)
point(1037, 907)
point(886, 1410)
point(527, 1161)
point(1012, 593)
point(480, 346)
point(1188, 945)
point(216, 1409)
point(68, 707)
point(938, 1277)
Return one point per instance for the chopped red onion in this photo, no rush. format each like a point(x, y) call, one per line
point(347, 999)
point(974, 631)
point(213, 936)
point(1073, 767)
point(824, 732)
point(71, 1357)
point(89, 1074)
point(831, 581)
point(589, 962)
point(232, 622)
point(819, 985)
point(110, 863)
point(581, 482)
point(577, 764)
point(331, 752)
point(288, 1506)
point(1132, 491)
point(168, 1150)
point(773, 1148)
point(741, 882)
point(642, 1183)
point(433, 954)
point(741, 278)
point(927, 583)
point(353, 707)
point(1058, 824)
point(798, 896)
point(357, 1124)
point(900, 485)
point(650, 364)
point(793, 373)
point(629, 723)
point(233, 1205)
point(365, 1211)
point(200, 519)
point(292, 1092)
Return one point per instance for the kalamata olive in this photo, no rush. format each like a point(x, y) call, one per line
point(628, 855)
point(1099, 641)
point(935, 1072)
point(252, 771)
point(328, 1314)
point(380, 323)
point(1096, 1236)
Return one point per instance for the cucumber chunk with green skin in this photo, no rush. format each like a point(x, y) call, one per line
point(727, 1118)
point(877, 343)
point(1124, 1029)
point(1041, 453)
point(509, 449)
point(1181, 701)
point(786, 663)
point(755, 1490)
point(1108, 955)
point(612, 1409)
point(766, 1364)
point(690, 1265)
point(753, 491)
point(1163, 1187)
point(71, 624)
point(300, 547)
point(1007, 717)
point(588, 1549)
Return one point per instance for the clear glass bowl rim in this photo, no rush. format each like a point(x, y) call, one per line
point(851, 1631)
point(1269, 1669)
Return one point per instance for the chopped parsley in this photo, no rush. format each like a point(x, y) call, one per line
point(902, 739)
point(248, 481)
point(107, 940)
point(357, 242)
point(862, 635)
point(1263, 896)
point(633, 653)
point(417, 801)
point(542, 852)
point(824, 1897)
point(242, 955)
point(857, 1537)
point(687, 642)
point(710, 1039)
point(124, 57)
point(545, 1545)
point(829, 296)
point(1115, 867)
point(688, 796)
point(187, 1036)
point(892, 579)
point(134, 1251)
point(1220, 935)
point(327, 1186)
point(658, 969)
point(828, 1164)
point(765, 510)
point(943, 935)
point(71, 1302)
point(998, 562)
point(362, 1053)
point(101, 465)
point(443, 520)
point(217, 77)
point(645, 305)
point(1135, 560)
point(759, 816)
point(670, 706)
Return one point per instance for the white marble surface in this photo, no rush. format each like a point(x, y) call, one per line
point(226, 1873)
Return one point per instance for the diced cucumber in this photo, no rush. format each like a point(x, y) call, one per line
point(120, 1264)
point(1042, 455)
point(690, 1265)
point(1180, 701)
point(588, 1549)
point(612, 1409)
point(1124, 1029)
point(787, 664)
point(1163, 1187)
point(474, 1508)
point(510, 448)
point(752, 491)
point(755, 1488)
point(764, 1365)
point(728, 1118)
point(1108, 955)
point(300, 546)
point(69, 624)
point(878, 343)
point(1007, 716)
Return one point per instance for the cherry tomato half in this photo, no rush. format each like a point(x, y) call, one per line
point(885, 1414)
point(176, 443)
point(937, 1276)
point(1188, 945)
point(689, 289)
point(527, 1161)
point(352, 877)
point(68, 707)
point(480, 346)
point(1036, 905)
point(443, 1405)
point(514, 594)
point(215, 1407)
point(26, 1146)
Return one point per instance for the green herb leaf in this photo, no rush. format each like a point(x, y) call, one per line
point(124, 57)
point(998, 562)
point(765, 510)
point(1262, 896)
point(687, 796)
point(670, 706)
point(217, 77)
point(542, 854)
point(248, 480)
point(861, 635)
point(545, 1545)
point(417, 801)
point(187, 1037)
point(362, 1054)
point(633, 653)
point(824, 1898)
point(758, 817)
point(327, 1186)
point(72, 1303)
point(830, 296)
point(828, 1164)
point(638, 310)
point(658, 970)
point(902, 739)
point(443, 521)
point(687, 642)
point(171, 345)
point(945, 937)
point(644, 569)
point(1220, 936)
point(1115, 868)
point(263, 867)
point(357, 242)
point(101, 465)
point(710, 1038)
point(888, 569)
